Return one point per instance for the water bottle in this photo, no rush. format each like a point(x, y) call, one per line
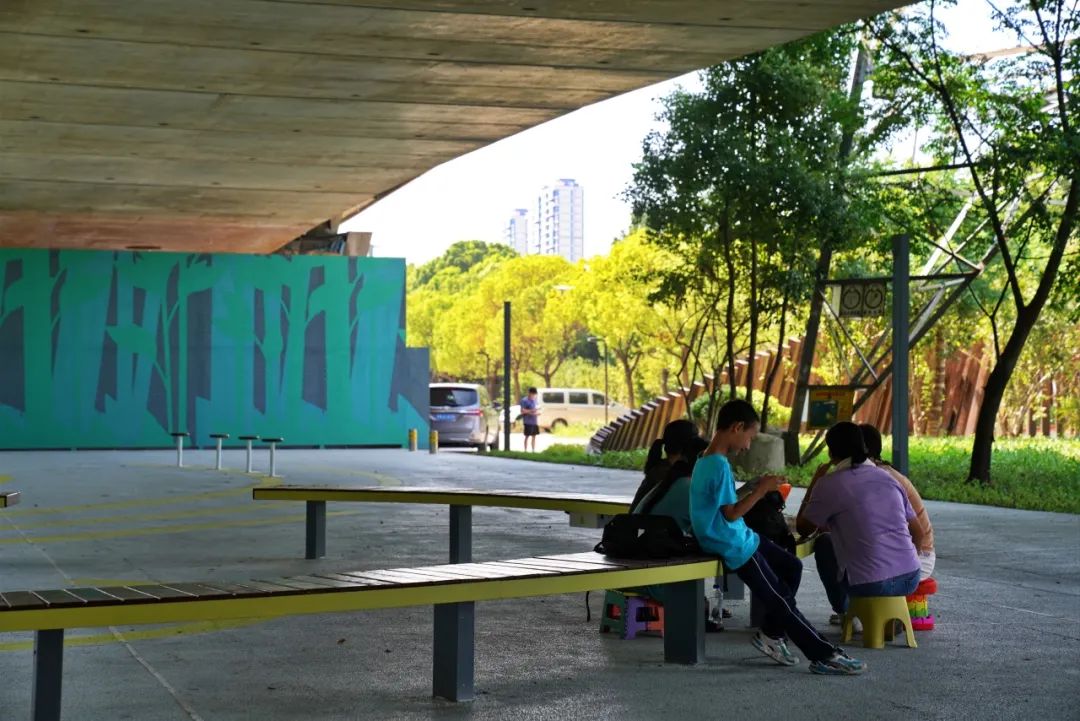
point(716, 601)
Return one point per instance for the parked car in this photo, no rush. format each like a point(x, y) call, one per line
point(563, 406)
point(463, 415)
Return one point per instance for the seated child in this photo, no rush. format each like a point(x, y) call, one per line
point(771, 573)
point(869, 549)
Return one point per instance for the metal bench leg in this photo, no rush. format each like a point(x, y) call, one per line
point(684, 622)
point(736, 589)
point(315, 530)
point(452, 672)
point(48, 674)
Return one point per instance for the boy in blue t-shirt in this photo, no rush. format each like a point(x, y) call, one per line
point(530, 418)
point(771, 573)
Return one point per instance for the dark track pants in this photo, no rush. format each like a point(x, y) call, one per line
point(772, 575)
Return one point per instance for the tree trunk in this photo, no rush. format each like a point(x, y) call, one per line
point(729, 317)
point(1026, 317)
point(750, 364)
point(806, 359)
point(778, 358)
point(628, 375)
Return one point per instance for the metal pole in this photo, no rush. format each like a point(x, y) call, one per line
point(453, 654)
point(179, 451)
point(607, 397)
point(48, 674)
point(218, 464)
point(901, 270)
point(249, 456)
point(506, 375)
point(273, 465)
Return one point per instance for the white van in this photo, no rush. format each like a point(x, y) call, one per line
point(563, 406)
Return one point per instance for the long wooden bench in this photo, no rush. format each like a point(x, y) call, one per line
point(452, 589)
point(585, 509)
point(9, 498)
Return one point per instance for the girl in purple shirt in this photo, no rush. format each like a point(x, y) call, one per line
point(869, 519)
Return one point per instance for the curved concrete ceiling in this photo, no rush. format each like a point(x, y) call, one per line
point(237, 125)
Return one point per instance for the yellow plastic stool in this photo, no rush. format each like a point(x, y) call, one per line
point(877, 614)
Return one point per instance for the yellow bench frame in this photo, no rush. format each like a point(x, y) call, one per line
point(449, 588)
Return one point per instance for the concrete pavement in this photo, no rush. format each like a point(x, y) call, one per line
point(1006, 645)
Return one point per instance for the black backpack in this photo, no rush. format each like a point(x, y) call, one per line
point(640, 535)
point(766, 518)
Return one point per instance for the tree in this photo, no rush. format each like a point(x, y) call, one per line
point(748, 176)
point(1012, 124)
point(614, 296)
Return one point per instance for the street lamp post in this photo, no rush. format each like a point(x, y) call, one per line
point(607, 398)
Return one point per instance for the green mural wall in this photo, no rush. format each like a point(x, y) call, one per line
point(116, 350)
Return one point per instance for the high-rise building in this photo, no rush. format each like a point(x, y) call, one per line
point(559, 228)
point(516, 233)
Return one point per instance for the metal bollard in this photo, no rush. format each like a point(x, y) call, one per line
point(219, 437)
point(273, 460)
point(180, 436)
point(433, 442)
point(414, 440)
point(249, 439)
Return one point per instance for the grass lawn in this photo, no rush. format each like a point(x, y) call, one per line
point(1031, 473)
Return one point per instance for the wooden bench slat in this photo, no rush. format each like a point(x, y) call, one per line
point(561, 566)
point(200, 590)
point(162, 591)
point(93, 595)
point(324, 581)
point(59, 598)
point(360, 578)
point(482, 571)
point(396, 577)
point(239, 589)
point(22, 599)
point(126, 593)
point(295, 584)
point(273, 588)
point(438, 574)
point(355, 580)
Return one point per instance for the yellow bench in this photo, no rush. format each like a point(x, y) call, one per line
point(452, 589)
point(585, 509)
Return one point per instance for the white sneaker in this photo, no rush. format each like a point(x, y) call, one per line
point(856, 625)
point(774, 648)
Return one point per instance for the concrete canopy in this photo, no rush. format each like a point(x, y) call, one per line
point(237, 125)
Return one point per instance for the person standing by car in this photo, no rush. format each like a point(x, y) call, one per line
point(530, 418)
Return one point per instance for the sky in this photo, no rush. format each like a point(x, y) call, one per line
point(473, 196)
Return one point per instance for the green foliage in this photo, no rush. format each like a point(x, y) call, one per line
point(462, 258)
point(779, 415)
point(1035, 474)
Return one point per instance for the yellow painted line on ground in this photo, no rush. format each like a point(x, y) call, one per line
point(100, 582)
point(381, 479)
point(265, 482)
point(100, 639)
point(93, 520)
point(4, 479)
point(163, 530)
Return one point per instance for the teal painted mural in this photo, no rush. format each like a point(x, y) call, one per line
point(118, 349)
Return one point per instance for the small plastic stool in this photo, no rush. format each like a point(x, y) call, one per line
point(877, 614)
point(629, 614)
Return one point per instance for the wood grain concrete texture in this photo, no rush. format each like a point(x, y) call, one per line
point(236, 125)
